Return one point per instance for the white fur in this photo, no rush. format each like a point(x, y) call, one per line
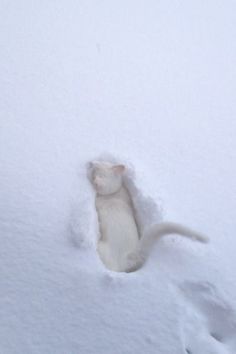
point(120, 246)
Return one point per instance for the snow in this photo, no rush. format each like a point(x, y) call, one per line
point(151, 83)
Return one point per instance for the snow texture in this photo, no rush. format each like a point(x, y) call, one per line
point(153, 84)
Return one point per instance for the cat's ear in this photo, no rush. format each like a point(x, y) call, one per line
point(89, 165)
point(92, 164)
point(118, 169)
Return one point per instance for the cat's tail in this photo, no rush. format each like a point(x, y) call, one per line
point(154, 233)
point(166, 228)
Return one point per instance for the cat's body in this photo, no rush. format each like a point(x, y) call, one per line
point(120, 247)
point(118, 228)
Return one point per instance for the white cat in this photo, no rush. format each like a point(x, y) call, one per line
point(120, 246)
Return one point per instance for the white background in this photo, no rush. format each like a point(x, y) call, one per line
point(153, 82)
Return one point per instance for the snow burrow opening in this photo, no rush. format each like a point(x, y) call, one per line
point(85, 223)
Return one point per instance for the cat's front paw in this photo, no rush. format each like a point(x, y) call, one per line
point(133, 262)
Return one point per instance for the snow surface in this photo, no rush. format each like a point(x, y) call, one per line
point(152, 82)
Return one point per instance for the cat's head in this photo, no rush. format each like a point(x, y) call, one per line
point(106, 177)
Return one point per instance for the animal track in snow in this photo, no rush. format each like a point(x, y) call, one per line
point(209, 323)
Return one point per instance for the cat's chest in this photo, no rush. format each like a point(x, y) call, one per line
point(112, 206)
point(118, 201)
point(116, 220)
point(115, 211)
